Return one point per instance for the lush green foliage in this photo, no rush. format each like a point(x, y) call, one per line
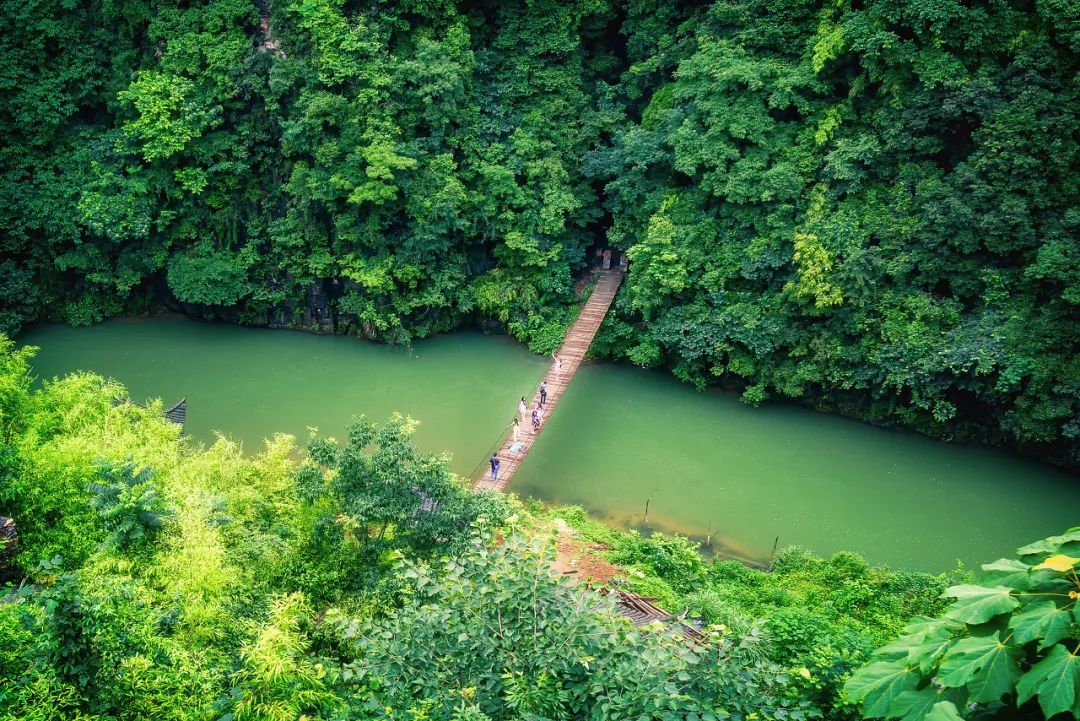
point(819, 618)
point(414, 162)
point(163, 579)
point(496, 636)
point(167, 580)
point(1003, 644)
point(129, 504)
point(869, 206)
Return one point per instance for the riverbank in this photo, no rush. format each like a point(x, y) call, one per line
point(707, 463)
point(973, 423)
point(812, 616)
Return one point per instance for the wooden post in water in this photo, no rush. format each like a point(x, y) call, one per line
point(773, 554)
point(647, 511)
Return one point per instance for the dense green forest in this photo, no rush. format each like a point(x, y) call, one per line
point(870, 206)
point(156, 578)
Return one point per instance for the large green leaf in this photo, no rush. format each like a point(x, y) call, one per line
point(1055, 679)
point(978, 604)
point(984, 664)
point(929, 651)
point(944, 711)
point(923, 644)
point(915, 705)
point(925, 625)
point(1007, 572)
point(1050, 545)
point(878, 686)
point(1043, 620)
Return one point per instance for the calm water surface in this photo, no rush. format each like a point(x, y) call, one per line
point(249, 383)
point(707, 462)
point(704, 461)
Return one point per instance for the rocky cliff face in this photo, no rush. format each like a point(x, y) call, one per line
point(315, 312)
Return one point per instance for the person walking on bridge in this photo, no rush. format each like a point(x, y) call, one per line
point(495, 463)
point(543, 393)
point(536, 420)
point(522, 408)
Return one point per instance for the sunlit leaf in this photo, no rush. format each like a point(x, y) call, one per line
point(1060, 563)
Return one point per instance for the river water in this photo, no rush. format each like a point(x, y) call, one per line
point(705, 463)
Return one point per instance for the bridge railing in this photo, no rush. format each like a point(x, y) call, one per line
point(504, 436)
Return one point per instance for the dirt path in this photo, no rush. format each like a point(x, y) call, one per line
point(581, 561)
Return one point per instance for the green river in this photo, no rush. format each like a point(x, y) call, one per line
point(705, 462)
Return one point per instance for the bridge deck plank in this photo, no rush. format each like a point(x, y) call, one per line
point(572, 353)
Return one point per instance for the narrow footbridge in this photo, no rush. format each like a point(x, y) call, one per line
point(512, 452)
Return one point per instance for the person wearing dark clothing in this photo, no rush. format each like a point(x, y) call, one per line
point(543, 394)
point(495, 467)
point(535, 420)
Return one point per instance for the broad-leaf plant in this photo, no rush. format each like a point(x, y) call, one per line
point(1007, 646)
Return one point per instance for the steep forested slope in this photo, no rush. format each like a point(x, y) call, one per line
point(412, 162)
point(868, 205)
point(881, 196)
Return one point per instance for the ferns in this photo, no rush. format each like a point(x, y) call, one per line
point(129, 503)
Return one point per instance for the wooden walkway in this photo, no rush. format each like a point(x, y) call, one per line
point(572, 352)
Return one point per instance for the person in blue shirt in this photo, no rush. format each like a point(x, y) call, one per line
point(495, 467)
point(543, 394)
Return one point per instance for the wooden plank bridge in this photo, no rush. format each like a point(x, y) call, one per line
point(512, 453)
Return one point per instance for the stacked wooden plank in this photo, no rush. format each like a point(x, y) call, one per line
point(641, 610)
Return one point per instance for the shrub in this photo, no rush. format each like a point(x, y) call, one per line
point(277, 681)
point(675, 559)
point(494, 633)
point(129, 504)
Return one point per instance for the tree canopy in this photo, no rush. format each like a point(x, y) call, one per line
point(866, 206)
